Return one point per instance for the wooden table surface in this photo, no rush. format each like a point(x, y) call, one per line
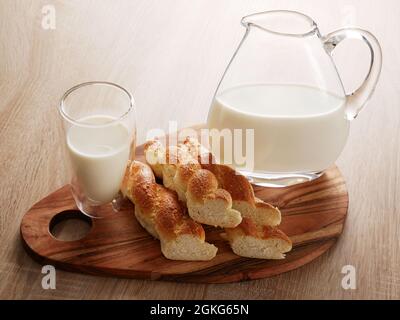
point(171, 55)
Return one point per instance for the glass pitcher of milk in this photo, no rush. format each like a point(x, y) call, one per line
point(280, 114)
point(100, 129)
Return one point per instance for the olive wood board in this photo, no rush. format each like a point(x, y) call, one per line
point(313, 216)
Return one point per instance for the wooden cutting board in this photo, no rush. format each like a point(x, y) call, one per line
point(313, 216)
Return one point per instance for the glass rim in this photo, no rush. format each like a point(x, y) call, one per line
point(64, 114)
point(313, 25)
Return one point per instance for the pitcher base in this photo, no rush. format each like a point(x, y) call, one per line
point(280, 180)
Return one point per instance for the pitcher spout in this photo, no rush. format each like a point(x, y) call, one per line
point(282, 22)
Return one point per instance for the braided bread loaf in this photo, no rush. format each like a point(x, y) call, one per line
point(160, 212)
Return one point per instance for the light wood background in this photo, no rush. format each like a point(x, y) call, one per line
point(171, 55)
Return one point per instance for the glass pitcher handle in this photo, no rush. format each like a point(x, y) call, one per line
point(357, 100)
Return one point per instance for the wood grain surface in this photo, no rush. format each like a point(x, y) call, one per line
point(171, 55)
point(313, 216)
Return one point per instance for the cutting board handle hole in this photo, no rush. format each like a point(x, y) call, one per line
point(70, 225)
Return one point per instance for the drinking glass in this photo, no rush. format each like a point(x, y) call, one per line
point(100, 133)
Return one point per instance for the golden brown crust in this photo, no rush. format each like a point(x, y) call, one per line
point(186, 171)
point(273, 232)
point(143, 197)
point(191, 227)
point(203, 182)
point(237, 185)
point(158, 203)
point(249, 228)
point(171, 218)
